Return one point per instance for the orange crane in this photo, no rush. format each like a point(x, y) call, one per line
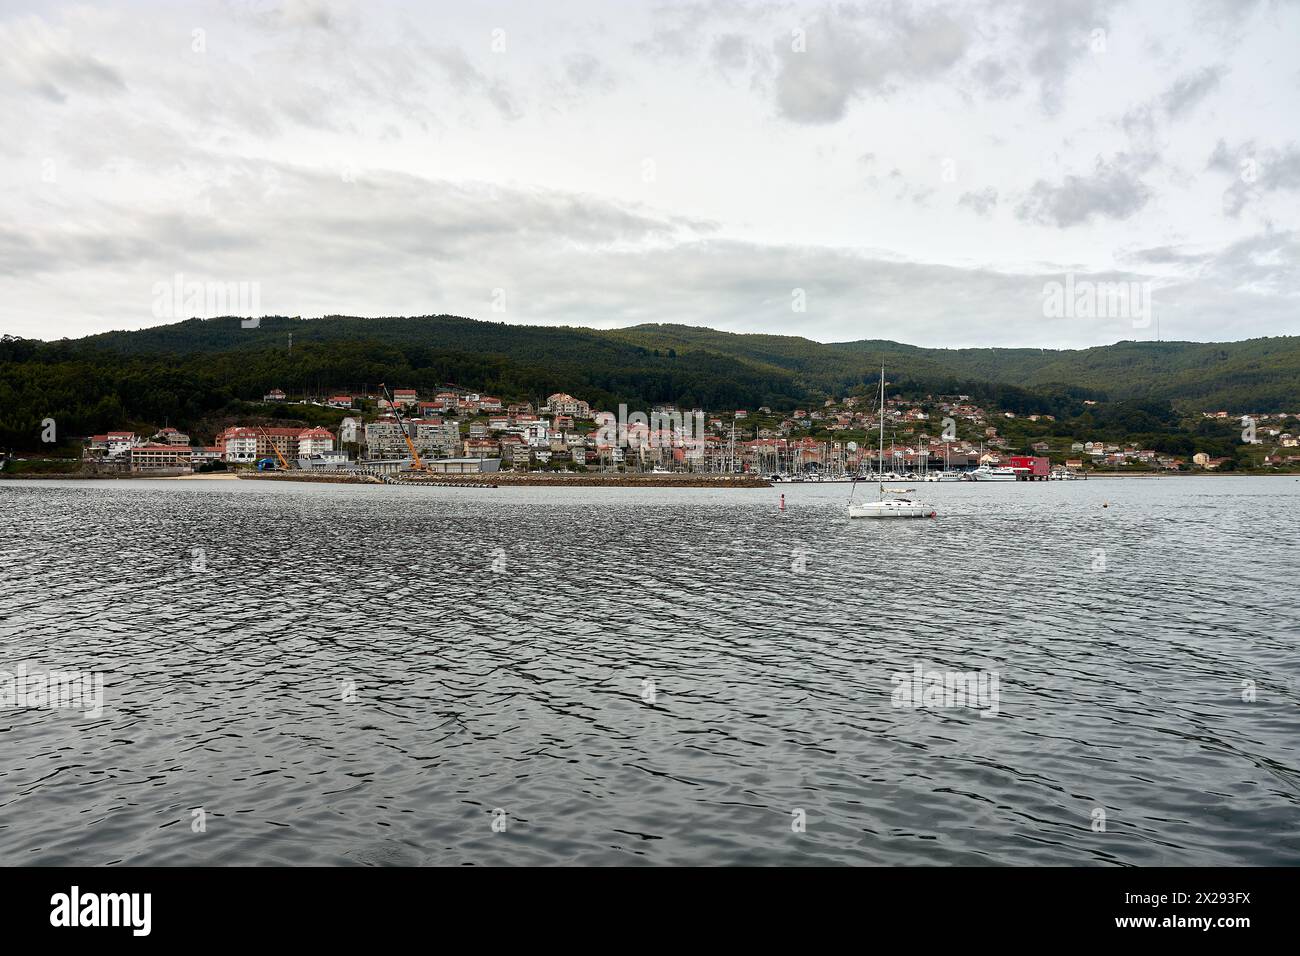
point(416, 463)
point(275, 448)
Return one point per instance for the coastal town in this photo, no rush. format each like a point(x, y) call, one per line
point(461, 431)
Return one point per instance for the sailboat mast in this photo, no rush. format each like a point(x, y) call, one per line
point(880, 467)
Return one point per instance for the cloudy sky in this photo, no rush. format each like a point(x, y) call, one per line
point(906, 170)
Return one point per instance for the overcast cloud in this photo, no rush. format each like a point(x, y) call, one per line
point(911, 171)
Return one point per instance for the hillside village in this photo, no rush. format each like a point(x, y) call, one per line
point(460, 430)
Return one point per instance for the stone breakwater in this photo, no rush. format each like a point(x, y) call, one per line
point(337, 477)
point(529, 479)
point(504, 478)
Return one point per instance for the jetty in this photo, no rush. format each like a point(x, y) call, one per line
point(503, 479)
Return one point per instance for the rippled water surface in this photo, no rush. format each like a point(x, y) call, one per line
point(367, 675)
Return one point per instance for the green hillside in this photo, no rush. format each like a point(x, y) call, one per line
point(182, 372)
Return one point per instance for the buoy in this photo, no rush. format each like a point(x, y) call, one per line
point(1106, 505)
point(783, 502)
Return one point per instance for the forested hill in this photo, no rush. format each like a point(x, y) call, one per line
point(1253, 375)
point(183, 371)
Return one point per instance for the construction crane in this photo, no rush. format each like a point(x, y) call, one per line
point(416, 463)
point(283, 463)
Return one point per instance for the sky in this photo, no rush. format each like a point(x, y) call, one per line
point(931, 173)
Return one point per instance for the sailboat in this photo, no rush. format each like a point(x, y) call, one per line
point(891, 504)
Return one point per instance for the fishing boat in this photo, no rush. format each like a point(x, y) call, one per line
point(890, 504)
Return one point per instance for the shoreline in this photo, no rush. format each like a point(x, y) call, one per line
point(539, 479)
point(499, 479)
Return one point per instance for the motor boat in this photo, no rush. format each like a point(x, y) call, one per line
point(987, 473)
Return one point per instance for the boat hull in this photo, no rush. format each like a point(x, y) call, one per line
point(890, 509)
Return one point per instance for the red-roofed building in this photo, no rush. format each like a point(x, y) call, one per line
point(314, 441)
point(119, 443)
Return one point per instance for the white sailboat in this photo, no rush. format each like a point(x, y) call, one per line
point(891, 504)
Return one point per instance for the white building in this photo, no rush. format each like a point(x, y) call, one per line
point(350, 431)
point(535, 433)
point(314, 441)
point(241, 445)
point(120, 443)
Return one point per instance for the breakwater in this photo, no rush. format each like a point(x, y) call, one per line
point(525, 479)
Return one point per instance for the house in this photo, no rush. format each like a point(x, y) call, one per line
point(535, 433)
point(117, 444)
point(406, 396)
point(741, 413)
point(1041, 447)
point(1074, 464)
point(339, 401)
point(274, 395)
point(489, 403)
point(170, 436)
point(562, 403)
